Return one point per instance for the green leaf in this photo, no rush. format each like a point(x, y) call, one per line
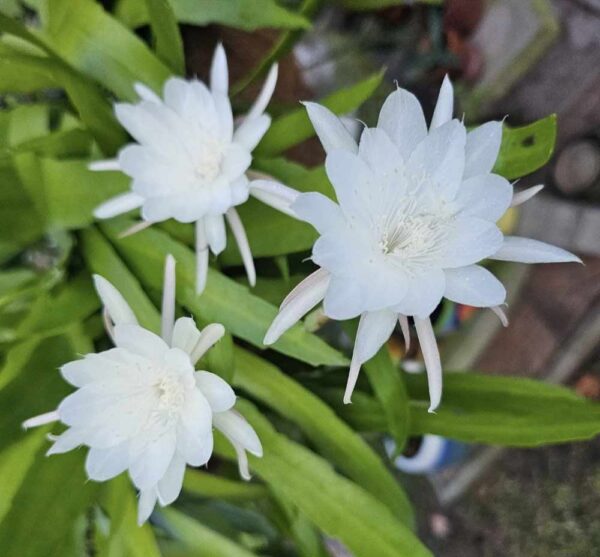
point(388, 385)
point(125, 537)
point(200, 540)
point(527, 148)
point(45, 509)
point(487, 409)
point(99, 46)
point(294, 127)
point(203, 484)
point(233, 13)
point(335, 440)
point(339, 507)
point(102, 259)
point(168, 43)
point(72, 191)
point(270, 232)
point(223, 301)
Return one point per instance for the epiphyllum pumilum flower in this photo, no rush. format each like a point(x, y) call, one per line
point(191, 161)
point(142, 407)
point(416, 212)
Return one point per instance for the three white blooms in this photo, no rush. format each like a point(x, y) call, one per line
point(416, 212)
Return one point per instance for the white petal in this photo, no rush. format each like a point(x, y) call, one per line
point(105, 165)
point(185, 335)
point(380, 153)
point(169, 487)
point(201, 257)
point(296, 308)
point(210, 335)
point(146, 94)
point(374, 329)
point(474, 286)
point(261, 102)
point(223, 107)
point(252, 131)
point(215, 233)
point(195, 448)
point(135, 228)
point(318, 210)
point(499, 312)
point(118, 205)
point(235, 162)
point(242, 459)
point(330, 129)
point(40, 420)
point(219, 75)
point(469, 240)
point(482, 148)
point(343, 299)
point(104, 464)
point(522, 196)
point(219, 394)
point(274, 194)
point(525, 250)
point(168, 300)
point(431, 356)
point(308, 283)
point(402, 118)
point(444, 106)
point(140, 341)
point(146, 504)
point(152, 460)
point(118, 309)
point(238, 431)
point(66, 441)
point(424, 293)
point(442, 156)
point(237, 229)
point(403, 320)
point(486, 196)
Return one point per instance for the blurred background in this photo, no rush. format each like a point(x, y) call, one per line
point(523, 60)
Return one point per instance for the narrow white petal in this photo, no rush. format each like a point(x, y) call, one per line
point(116, 306)
point(237, 229)
point(275, 195)
point(331, 131)
point(140, 341)
point(482, 148)
point(501, 315)
point(252, 131)
point(40, 420)
point(219, 394)
point(137, 227)
point(431, 356)
point(219, 75)
point(312, 280)
point(525, 250)
point(296, 308)
point(474, 286)
point(146, 94)
point(234, 426)
point(444, 106)
point(104, 464)
point(151, 463)
point(242, 459)
point(201, 257)
point(118, 205)
point(185, 335)
point(168, 300)
point(374, 329)
point(403, 320)
point(169, 487)
point(210, 335)
point(318, 210)
point(261, 102)
point(146, 504)
point(65, 442)
point(105, 165)
point(522, 196)
point(216, 237)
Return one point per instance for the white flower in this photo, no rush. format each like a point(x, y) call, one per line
point(417, 211)
point(190, 161)
point(142, 407)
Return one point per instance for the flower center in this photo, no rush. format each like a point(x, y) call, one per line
point(208, 164)
point(171, 395)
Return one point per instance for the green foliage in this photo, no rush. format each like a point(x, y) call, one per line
point(361, 5)
point(243, 14)
point(59, 76)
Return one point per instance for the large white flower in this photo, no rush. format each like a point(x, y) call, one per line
point(417, 211)
point(190, 161)
point(142, 407)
